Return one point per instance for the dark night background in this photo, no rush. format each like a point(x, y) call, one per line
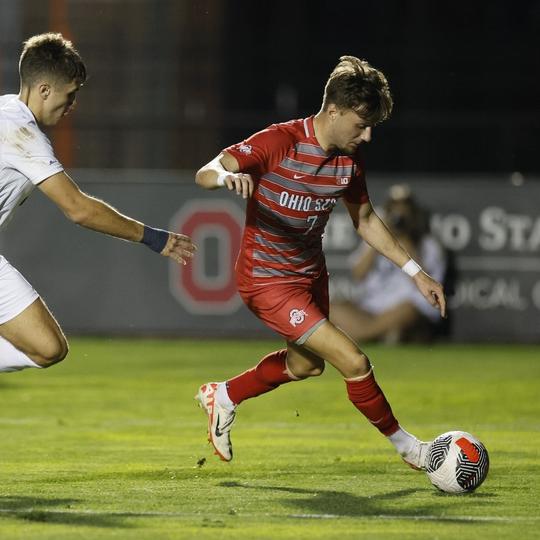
point(464, 75)
point(172, 82)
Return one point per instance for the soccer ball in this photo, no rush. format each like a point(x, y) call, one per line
point(457, 462)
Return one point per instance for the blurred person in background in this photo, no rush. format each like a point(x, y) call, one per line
point(51, 73)
point(385, 304)
point(292, 175)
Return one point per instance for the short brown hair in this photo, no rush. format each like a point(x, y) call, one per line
point(356, 85)
point(50, 54)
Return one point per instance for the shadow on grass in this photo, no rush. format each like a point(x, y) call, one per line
point(326, 503)
point(46, 511)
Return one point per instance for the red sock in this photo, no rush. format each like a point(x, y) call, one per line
point(268, 374)
point(369, 399)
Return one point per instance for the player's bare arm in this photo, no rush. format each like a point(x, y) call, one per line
point(94, 214)
point(373, 230)
point(224, 171)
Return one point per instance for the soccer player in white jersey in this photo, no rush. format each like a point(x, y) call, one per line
point(51, 72)
point(292, 175)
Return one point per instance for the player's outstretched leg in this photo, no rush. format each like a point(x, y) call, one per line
point(365, 394)
point(220, 400)
point(31, 338)
point(12, 359)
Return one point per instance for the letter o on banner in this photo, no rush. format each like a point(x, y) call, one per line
point(207, 285)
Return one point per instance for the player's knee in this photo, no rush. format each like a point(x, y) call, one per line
point(303, 372)
point(315, 371)
point(53, 353)
point(358, 365)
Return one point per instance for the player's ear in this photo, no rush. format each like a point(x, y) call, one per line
point(44, 89)
point(332, 111)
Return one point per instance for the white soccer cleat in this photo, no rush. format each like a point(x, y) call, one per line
point(220, 420)
point(416, 457)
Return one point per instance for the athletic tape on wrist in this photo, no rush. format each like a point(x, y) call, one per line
point(220, 180)
point(411, 268)
point(155, 239)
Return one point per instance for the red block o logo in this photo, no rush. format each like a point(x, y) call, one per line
point(200, 287)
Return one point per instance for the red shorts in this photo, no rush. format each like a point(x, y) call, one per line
point(293, 309)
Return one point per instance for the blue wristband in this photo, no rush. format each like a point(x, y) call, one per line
point(155, 239)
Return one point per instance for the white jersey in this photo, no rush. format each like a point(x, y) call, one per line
point(26, 155)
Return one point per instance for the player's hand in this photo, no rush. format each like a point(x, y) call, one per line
point(179, 247)
point(241, 183)
point(432, 291)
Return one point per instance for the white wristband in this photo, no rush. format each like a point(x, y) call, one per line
point(220, 180)
point(411, 268)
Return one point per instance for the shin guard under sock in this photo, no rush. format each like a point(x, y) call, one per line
point(369, 399)
point(267, 375)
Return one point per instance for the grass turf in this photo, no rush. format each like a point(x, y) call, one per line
point(111, 445)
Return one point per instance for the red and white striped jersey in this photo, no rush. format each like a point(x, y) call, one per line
point(296, 186)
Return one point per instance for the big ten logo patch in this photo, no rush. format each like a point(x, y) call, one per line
point(206, 285)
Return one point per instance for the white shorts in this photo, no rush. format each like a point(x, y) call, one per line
point(16, 294)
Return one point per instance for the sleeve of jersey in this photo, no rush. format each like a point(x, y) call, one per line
point(257, 154)
point(357, 192)
point(30, 152)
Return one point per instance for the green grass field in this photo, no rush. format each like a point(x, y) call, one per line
point(110, 444)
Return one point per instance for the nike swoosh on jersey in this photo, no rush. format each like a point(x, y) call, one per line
point(297, 176)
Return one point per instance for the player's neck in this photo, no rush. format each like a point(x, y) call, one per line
point(25, 96)
point(320, 127)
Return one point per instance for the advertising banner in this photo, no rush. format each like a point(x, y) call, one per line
point(490, 227)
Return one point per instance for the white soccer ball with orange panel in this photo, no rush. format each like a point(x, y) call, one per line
point(457, 462)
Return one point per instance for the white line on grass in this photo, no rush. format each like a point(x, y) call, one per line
point(497, 519)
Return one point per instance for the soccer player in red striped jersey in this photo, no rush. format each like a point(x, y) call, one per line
point(292, 175)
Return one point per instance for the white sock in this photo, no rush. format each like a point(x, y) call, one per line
point(222, 397)
point(403, 441)
point(11, 359)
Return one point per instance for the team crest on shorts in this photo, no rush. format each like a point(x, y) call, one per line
point(297, 316)
point(245, 149)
